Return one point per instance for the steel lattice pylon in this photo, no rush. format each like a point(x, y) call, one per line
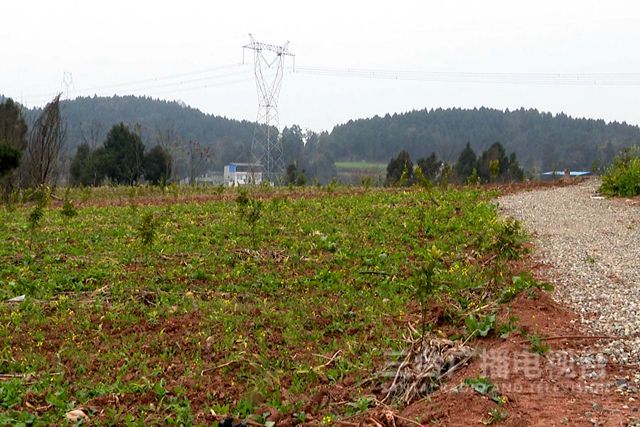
point(266, 147)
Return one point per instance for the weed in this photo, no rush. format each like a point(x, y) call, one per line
point(496, 415)
point(505, 329)
point(480, 325)
point(509, 239)
point(484, 386)
point(327, 420)
point(361, 405)
point(537, 344)
point(68, 209)
point(10, 394)
point(523, 282)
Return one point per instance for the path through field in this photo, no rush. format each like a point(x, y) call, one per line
point(592, 248)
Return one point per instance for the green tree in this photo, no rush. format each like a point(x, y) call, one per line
point(396, 167)
point(157, 165)
point(430, 167)
point(316, 160)
point(292, 144)
point(83, 169)
point(122, 155)
point(494, 165)
point(13, 128)
point(494, 170)
point(466, 163)
point(292, 173)
point(489, 157)
point(13, 141)
point(302, 179)
point(9, 159)
point(514, 171)
point(420, 178)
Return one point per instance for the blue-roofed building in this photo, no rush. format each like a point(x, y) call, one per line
point(242, 174)
point(566, 175)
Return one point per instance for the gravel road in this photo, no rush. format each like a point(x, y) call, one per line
point(592, 247)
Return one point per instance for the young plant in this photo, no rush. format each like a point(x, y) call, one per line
point(41, 197)
point(537, 344)
point(68, 209)
point(505, 329)
point(250, 210)
point(147, 228)
point(424, 286)
point(480, 326)
point(496, 415)
point(486, 387)
point(509, 239)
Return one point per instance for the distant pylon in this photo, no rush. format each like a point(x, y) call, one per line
point(67, 82)
point(266, 147)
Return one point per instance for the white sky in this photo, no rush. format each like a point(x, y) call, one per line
point(108, 43)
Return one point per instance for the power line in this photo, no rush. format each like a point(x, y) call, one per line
point(169, 77)
point(231, 82)
point(135, 84)
point(570, 79)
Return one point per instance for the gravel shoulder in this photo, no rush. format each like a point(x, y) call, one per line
point(591, 246)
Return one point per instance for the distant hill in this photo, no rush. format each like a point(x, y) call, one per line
point(170, 123)
point(540, 140)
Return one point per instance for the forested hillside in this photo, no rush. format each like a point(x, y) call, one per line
point(540, 140)
point(199, 142)
point(170, 124)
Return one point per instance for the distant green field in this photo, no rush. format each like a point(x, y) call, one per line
point(360, 166)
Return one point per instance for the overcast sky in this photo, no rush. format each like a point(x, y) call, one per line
point(113, 43)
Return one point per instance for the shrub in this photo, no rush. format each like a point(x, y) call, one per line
point(623, 177)
point(147, 228)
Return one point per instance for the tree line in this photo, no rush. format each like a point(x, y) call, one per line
point(493, 165)
point(121, 159)
point(197, 143)
point(542, 141)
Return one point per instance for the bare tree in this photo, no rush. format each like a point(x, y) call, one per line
point(170, 141)
point(199, 157)
point(45, 143)
point(92, 133)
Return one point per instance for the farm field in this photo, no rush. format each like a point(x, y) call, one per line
point(272, 305)
point(368, 166)
point(356, 172)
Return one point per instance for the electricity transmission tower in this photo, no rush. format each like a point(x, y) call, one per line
point(266, 147)
point(67, 82)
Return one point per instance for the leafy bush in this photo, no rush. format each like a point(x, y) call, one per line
point(623, 177)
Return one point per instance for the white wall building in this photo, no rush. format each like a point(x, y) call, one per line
point(242, 174)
